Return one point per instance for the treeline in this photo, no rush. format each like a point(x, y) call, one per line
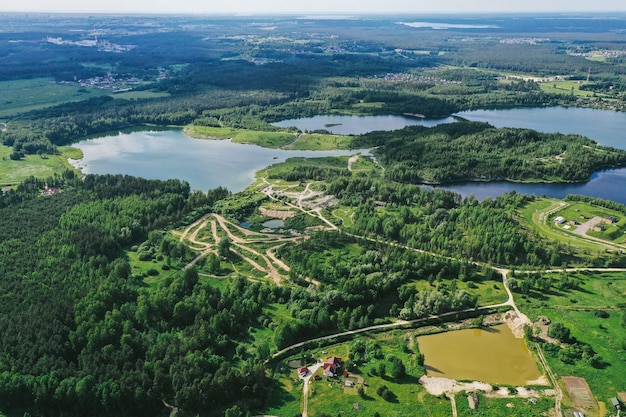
point(315, 173)
point(477, 151)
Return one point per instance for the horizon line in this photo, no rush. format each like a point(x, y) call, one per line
point(314, 13)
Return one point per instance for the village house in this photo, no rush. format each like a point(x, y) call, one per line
point(331, 365)
point(303, 372)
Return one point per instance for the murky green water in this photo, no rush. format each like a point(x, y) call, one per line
point(490, 355)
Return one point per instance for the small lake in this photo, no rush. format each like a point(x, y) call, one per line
point(492, 355)
point(273, 224)
point(358, 125)
point(205, 164)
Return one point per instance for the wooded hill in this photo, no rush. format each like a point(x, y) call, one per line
point(468, 151)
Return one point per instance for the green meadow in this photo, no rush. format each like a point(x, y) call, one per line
point(39, 166)
point(20, 96)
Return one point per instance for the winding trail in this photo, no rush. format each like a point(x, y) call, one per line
point(244, 237)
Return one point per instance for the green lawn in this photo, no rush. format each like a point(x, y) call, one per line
point(318, 142)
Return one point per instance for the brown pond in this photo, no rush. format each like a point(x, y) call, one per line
point(491, 355)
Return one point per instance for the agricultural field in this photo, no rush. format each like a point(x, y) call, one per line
point(20, 96)
point(565, 87)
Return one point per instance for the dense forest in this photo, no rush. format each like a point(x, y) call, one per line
point(477, 151)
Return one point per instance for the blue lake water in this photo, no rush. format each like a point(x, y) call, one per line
point(605, 127)
point(207, 164)
point(358, 125)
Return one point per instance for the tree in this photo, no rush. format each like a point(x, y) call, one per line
point(234, 411)
point(559, 332)
point(223, 248)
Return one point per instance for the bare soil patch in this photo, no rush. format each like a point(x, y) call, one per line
point(579, 392)
point(279, 214)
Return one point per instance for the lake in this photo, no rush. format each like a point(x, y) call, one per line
point(358, 125)
point(205, 164)
point(492, 355)
point(605, 127)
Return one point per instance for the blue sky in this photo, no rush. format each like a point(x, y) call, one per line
point(313, 6)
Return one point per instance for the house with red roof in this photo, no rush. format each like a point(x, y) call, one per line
point(331, 366)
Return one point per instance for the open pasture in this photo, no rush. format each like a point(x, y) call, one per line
point(30, 94)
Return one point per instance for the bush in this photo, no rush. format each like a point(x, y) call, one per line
point(152, 272)
point(602, 314)
point(145, 256)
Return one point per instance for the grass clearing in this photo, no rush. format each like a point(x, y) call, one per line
point(272, 140)
point(319, 142)
point(20, 96)
point(579, 310)
point(488, 292)
point(565, 87)
point(14, 172)
point(152, 272)
point(491, 406)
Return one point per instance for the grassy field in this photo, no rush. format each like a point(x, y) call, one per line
point(273, 140)
point(14, 172)
point(579, 310)
point(538, 215)
point(496, 407)
point(564, 87)
point(317, 142)
point(25, 95)
point(488, 292)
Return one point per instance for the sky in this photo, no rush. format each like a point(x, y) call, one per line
point(312, 6)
